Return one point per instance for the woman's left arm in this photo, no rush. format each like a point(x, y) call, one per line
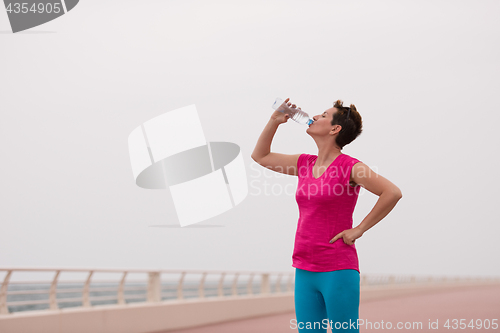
point(389, 194)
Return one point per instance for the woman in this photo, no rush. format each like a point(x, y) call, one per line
point(327, 281)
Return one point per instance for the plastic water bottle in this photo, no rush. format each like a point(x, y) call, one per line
point(295, 114)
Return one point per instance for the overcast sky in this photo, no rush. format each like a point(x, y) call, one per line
point(424, 75)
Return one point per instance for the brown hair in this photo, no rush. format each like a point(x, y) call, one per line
point(351, 128)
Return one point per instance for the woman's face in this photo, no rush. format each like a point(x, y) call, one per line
point(323, 122)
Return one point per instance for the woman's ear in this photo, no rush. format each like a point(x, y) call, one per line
point(336, 128)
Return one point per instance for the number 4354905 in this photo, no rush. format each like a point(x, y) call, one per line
point(477, 324)
point(35, 8)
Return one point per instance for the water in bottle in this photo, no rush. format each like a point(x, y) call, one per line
point(295, 114)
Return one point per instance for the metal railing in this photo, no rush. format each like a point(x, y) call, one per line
point(21, 293)
point(43, 295)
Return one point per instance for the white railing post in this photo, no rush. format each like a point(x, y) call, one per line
point(201, 289)
point(154, 287)
point(53, 292)
point(220, 291)
point(121, 295)
point(179, 287)
point(234, 290)
point(3, 294)
point(85, 293)
point(264, 287)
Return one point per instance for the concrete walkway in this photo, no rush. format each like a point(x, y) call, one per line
point(471, 302)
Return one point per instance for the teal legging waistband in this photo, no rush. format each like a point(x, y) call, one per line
point(325, 299)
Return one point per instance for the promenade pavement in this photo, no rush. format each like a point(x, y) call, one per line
point(469, 303)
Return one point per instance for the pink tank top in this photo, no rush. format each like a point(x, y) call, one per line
point(325, 205)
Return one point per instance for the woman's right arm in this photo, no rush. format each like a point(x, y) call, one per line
point(262, 154)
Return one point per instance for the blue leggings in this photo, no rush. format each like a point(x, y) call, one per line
point(327, 299)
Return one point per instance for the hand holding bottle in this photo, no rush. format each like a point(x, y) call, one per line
point(290, 110)
point(283, 112)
